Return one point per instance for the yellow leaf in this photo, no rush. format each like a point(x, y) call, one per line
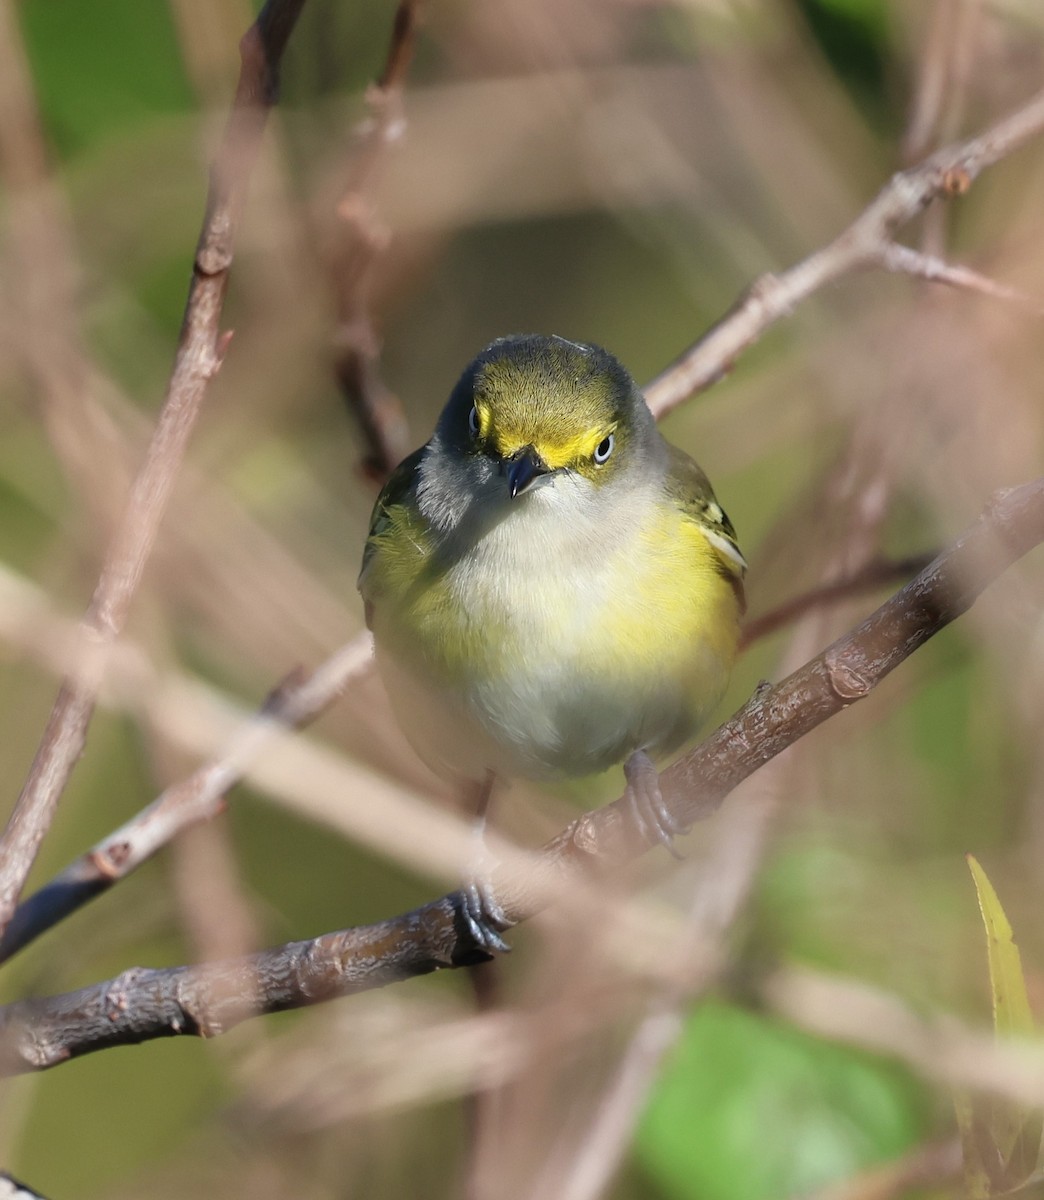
point(1001, 1140)
point(1011, 1010)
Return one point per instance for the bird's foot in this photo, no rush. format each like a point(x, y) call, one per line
point(483, 914)
point(484, 918)
point(651, 816)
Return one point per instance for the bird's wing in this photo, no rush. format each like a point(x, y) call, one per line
point(400, 483)
point(693, 493)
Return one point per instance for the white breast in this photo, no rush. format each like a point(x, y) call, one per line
point(537, 581)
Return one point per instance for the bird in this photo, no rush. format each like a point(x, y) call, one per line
point(552, 587)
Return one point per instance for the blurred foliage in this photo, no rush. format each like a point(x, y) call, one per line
point(615, 171)
point(749, 1109)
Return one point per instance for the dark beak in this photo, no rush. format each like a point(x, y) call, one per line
point(523, 468)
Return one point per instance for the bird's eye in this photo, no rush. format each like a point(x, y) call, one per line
point(604, 449)
point(473, 421)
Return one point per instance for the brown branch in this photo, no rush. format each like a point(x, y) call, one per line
point(198, 357)
point(946, 173)
point(200, 797)
point(296, 702)
point(903, 260)
point(873, 575)
point(206, 1000)
point(359, 246)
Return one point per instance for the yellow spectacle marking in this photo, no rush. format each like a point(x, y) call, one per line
point(556, 453)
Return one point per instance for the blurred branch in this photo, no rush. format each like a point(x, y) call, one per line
point(938, 1047)
point(926, 1166)
point(199, 797)
point(868, 578)
point(359, 246)
point(946, 173)
point(583, 1164)
point(940, 94)
point(902, 260)
point(206, 1000)
point(200, 349)
point(296, 702)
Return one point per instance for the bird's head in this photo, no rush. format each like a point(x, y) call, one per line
point(531, 408)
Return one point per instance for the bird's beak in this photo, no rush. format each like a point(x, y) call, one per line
point(522, 468)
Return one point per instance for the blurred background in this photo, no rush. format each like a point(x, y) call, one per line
point(615, 171)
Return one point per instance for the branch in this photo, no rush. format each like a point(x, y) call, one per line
point(363, 241)
point(206, 1000)
point(949, 172)
point(903, 261)
point(198, 357)
point(200, 797)
point(296, 702)
point(872, 575)
point(938, 1047)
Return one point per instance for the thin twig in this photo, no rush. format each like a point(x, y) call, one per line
point(925, 1167)
point(586, 1164)
point(359, 246)
point(949, 172)
point(199, 797)
point(873, 575)
point(937, 1047)
point(206, 1000)
point(904, 260)
point(199, 353)
point(941, 94)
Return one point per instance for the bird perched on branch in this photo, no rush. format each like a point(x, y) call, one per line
point(551, 586)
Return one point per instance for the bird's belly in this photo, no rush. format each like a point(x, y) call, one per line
point(545, 672)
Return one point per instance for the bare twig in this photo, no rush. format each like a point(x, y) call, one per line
point(359, 247)
point(200, 349)
point(206, 1000)
point(937, 1047)
point(949, 172)
point(924, 1167)
point(904, 260)
point(586, 1164)
point(873, 575)
point(938, 97)
point(201, 796)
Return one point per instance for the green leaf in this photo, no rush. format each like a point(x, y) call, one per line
point(1001, 1140)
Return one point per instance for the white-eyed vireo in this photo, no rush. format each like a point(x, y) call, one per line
point(552, 587)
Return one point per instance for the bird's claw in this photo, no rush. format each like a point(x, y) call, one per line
point(483, 915)
point(651, 816)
